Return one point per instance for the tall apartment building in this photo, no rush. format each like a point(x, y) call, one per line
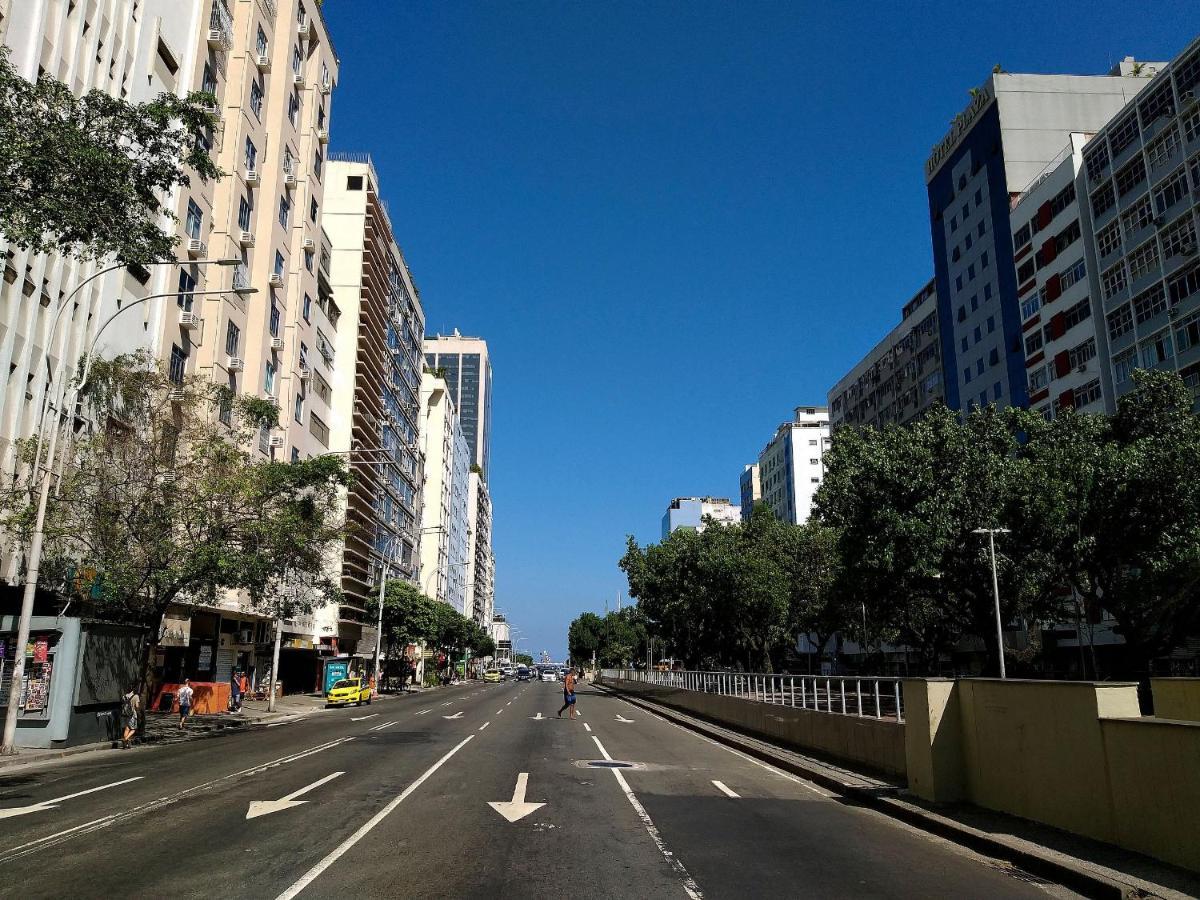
point(902, 375)
point(791, 466)
point(1056, 289)
point(690, 513)
point(271, 67)
point(1142, 174)
point(467, 368)
point(375, 378)
point(1013, 127)
point(750, 484)
point(444, 508)
point(481, 567)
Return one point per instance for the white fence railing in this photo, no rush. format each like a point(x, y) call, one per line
point(876, 698)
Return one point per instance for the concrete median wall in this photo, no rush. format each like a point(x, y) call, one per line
point(874, 744)
point(1075, 755)
point(1176, 698)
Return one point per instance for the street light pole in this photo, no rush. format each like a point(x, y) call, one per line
point(65, 411)
point(991, 533)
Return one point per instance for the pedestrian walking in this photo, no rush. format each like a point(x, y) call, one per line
point(131, 703)
point(235, 691)
point(185, 702)
point(568, 694)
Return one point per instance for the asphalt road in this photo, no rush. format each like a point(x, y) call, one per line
point(398, 804)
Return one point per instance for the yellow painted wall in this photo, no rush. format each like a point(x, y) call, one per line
point(1176, 698)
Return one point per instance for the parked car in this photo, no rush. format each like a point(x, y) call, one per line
point(348, 690)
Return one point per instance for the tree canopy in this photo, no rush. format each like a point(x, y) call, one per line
point(87, 175)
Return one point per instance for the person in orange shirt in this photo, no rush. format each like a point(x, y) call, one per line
point(568, 694)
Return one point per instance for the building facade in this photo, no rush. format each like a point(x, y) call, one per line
point(791, 464)
point(1056, 288)
point(902, 375)
point(444, 508)
point(690, 513)
point(1013, 127)
point(1142, 182)
point(465, 364)
point(751, 490)
point(501, 633)
point(374, 373)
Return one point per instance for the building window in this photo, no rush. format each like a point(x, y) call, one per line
point(1185, 285)
point(964, 345)
point(1143, 260)
point(991, 324)
point(1031, 306)
point(256, 98)
point(297, 60)
point(1157, 350)
point(1077, 313)
point(1081, 354)
point(251, 159)
point(1137, 217)
point(285, 211)
point(1187, 332)
point(293, 107)
point(958, 283)
point(987, 292)
point(1124, 133)
point(978, 334)
point(354, 183)
point(1179, 237)
point(983, 260)
point(1123, 365)
point(178, 365)
point(1033, 343)
point(979, 198)
point(225, 406)
point(274, 318)
point(1104, 199)
point(1073, 274)
point(245, 210)
point(318, 161)
point(187, 284)
point(260, 43)
point(1113, 281)
point(1170, 191)
point(195, 218)
point(303, 355)
point(318, 429)
point(1149, 303)
point(1163, 148)
point(208, 83)
point(233, 338)
point(307, 308)
point(1108, 239)
point(979, 366)
point(1021, 237)
point(308, 260)
point(278, 263)
point(997, 390)
point(295, 455)
point(1120, 321)
point(269, 378)
point(1087, 393)
point(298, 409)
point(312, 213)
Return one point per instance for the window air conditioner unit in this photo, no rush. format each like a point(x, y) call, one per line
point(323, 135)
point(310, 244)
point(276, 343)
point(177, 395)
point(197, 248)
point(298, 79)
point(289, 178)
point(217, 38)
point(305, 373)
point(189, 319)
point(276, 279)
point(263, 61)
point(276, 440)
point(326, 86)
point(252, 176)
point(246, 239)
point(235, 364)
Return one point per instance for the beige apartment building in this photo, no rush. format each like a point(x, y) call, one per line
point(444, 525)
point(272, 68)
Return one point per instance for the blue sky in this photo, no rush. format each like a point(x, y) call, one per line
point(672, 221)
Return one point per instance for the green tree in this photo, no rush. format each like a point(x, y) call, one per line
point(583, 637)
point(162, 502)
point(409, 616)
point(87, 175)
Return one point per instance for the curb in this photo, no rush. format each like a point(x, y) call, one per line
point(18, 759)
point(1052, 868)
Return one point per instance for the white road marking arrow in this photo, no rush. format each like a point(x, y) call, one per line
point(457, 715)
point(517, 809)
point(266, 807)
point(363, 718)
point(53, 804)
point(537, 718)
point(621, 718)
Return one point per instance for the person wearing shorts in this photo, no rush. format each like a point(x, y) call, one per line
point(185, 702)
point(130, 704)
point(568, 695)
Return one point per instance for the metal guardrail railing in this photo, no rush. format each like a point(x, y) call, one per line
point(875, 698)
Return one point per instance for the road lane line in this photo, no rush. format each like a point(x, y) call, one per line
point(689, 884)
point(424, 711)
point(364, 718)
point(720, 786)
point(97, 822)
point(338, 852)
point(383, 726)
point(587, 726)
point(484, 725)
point(500, 710)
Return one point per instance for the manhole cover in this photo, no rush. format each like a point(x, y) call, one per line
point(609, 764)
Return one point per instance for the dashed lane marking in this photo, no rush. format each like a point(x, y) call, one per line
point(720, 786)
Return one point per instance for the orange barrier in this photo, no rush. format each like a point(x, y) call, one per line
point(208, 698)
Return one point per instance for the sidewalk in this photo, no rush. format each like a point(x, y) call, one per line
point(163, 728)
point(1089, 867)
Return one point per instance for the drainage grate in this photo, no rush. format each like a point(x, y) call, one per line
point(609, 764)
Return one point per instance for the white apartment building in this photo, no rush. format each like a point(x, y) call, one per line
point(375, 405)
point(444, 520)
point(1056, 289)
point(791, 464)
point(481, 568)
point(690, 513)
point(1013, 127)
point(272, 68)
point(750, 485)
point(1143, 190)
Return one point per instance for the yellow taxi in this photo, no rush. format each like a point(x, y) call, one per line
point(491, 676)
point(348, 690)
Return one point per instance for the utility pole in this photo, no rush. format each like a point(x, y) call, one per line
point(275, 663)
point(991, 533)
